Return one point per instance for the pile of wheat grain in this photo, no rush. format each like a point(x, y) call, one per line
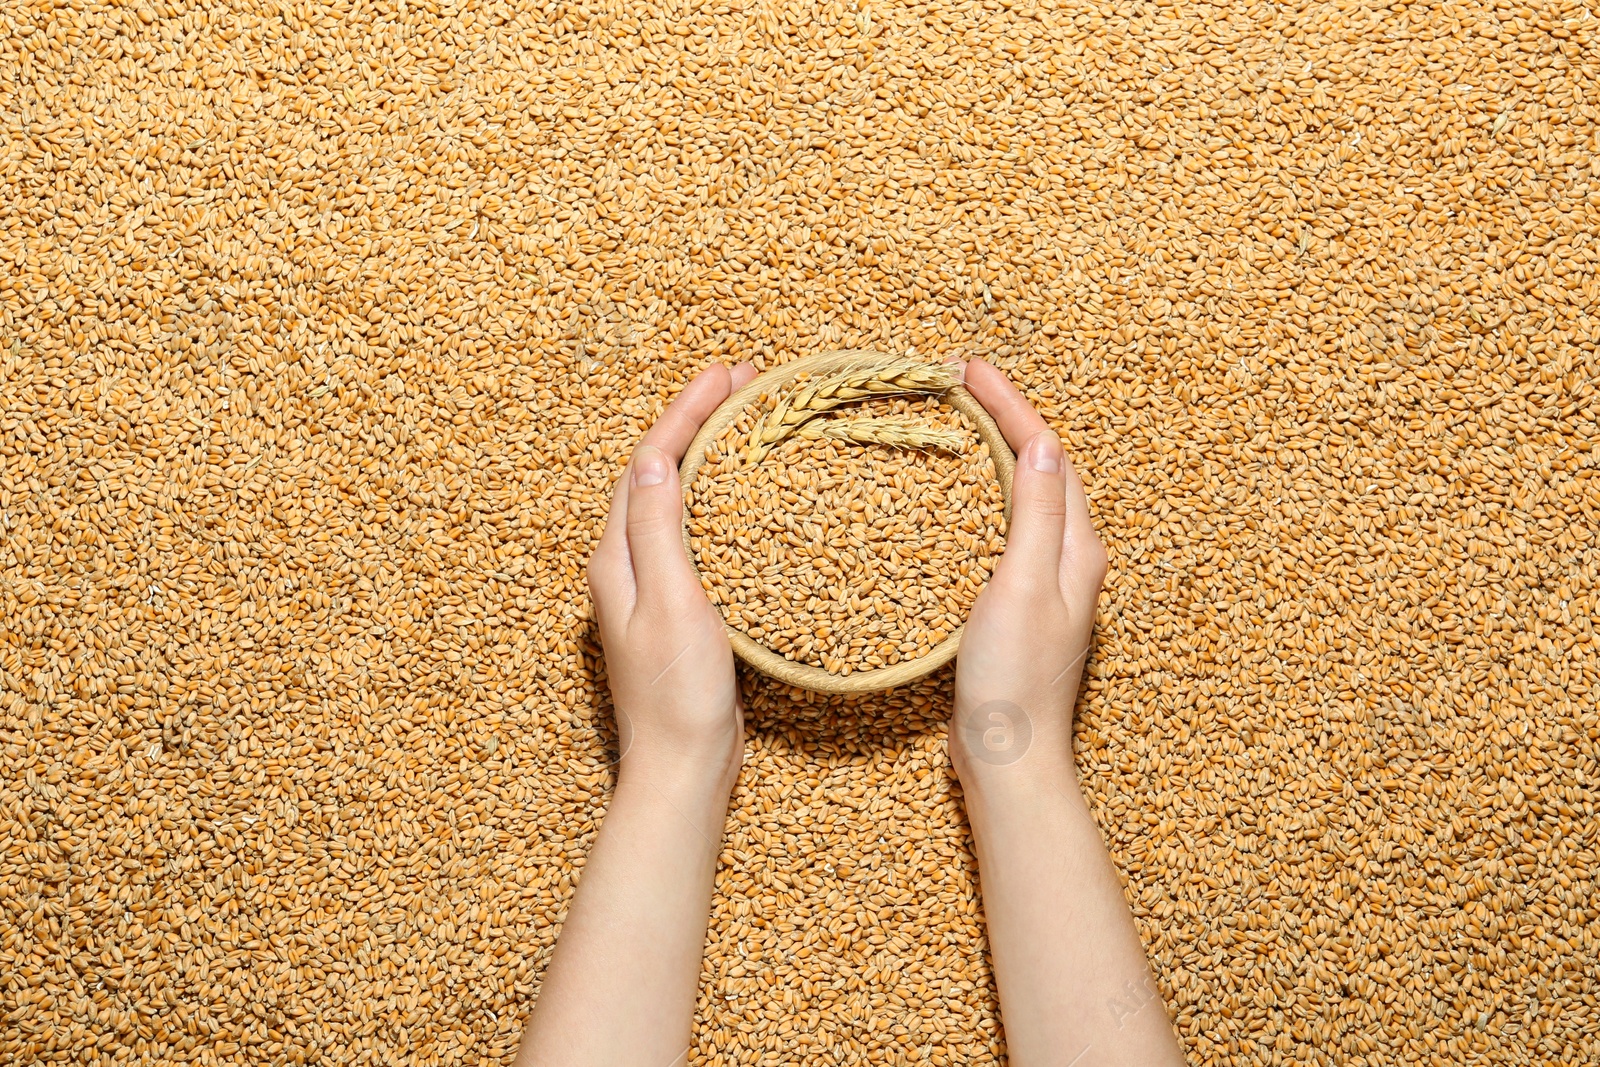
point(846, 554)
point(325, 329)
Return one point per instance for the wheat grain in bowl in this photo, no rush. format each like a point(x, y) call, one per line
point(843, 553)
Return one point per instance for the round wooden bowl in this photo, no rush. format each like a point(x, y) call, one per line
point(759, 656)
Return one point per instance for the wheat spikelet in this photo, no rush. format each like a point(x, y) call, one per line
point(870, 376)
point(899, 433)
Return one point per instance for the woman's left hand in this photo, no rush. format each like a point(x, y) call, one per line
point(667, 654)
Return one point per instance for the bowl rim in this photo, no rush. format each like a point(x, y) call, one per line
point(751, 651)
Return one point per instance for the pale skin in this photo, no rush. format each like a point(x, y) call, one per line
point(1074, 985)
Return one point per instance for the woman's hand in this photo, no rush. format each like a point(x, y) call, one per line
point(1025, 642)
point(1071, 971)
point(667, 654)
point(621, 986)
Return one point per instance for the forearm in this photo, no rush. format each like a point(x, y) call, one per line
point(1075, 987)
point(620, 989)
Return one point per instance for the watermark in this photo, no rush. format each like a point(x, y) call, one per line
point(1136, 996)
point(997, 732)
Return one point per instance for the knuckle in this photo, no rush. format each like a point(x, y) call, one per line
point(1030, 597)
point(648, 522)
point(1048, 506)
point(1042, 500)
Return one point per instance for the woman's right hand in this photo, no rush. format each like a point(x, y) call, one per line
point(1074, 983)
point(1024, 645)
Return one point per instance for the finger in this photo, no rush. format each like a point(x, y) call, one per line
point(681, 421)
point(1011, 411)
point(1032, 560)
point(671, 433)
point(1083, 544)
point(661, 571)
point(649, 506)
point(1019, 422)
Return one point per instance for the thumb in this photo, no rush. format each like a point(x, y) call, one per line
point(655, 527)
point(1032, 559)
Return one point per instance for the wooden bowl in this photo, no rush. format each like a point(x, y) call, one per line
point(759, 656)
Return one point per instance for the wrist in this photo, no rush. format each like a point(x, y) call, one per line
point(990, 779)
point(1018, 807)
point(1022, 781)
point(677, 820)
point(1012, 746)
point(692, 774)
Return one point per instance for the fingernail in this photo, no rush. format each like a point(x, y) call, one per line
point(650, 466)
point(1044, 452)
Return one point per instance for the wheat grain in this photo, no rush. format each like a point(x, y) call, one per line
point(325, 332)
point(880, 557)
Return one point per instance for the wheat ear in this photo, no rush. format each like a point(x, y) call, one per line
point(868, 377)
point(898, 433)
